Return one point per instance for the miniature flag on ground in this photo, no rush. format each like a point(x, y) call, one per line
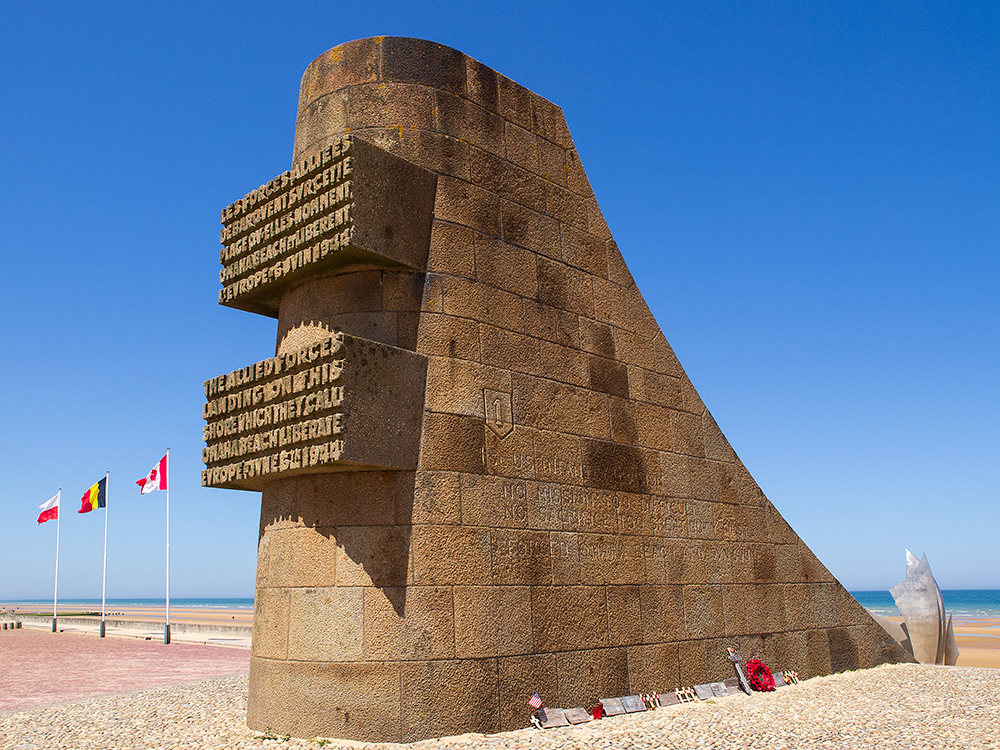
point(155, 480)
point(535, 701)
point(95, 497)
point(50, 509)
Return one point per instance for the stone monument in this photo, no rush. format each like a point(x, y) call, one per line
point(483, 471)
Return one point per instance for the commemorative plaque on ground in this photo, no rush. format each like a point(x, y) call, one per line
point(633, 703)
point(480, 464)
point(577, 715)
point(552, 717)
point(612, 706)
point(704, 692)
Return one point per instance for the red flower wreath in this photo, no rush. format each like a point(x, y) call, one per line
point(760, 676)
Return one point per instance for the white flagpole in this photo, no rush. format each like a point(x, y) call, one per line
point(104, 581)
point(55, 596)
point(166, 628)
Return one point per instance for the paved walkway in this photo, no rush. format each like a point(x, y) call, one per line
point(38, 667)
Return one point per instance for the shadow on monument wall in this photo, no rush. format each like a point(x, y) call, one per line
point(347, 528)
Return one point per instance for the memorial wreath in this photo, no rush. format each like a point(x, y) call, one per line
point(759, 675)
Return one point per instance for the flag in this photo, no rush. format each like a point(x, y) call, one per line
point(535, 701)
point(95, 497)
point(50, 509)
point(155, 480)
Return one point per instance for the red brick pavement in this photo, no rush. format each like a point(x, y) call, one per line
point(38, 667)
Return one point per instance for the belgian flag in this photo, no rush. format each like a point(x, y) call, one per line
point(95, 497)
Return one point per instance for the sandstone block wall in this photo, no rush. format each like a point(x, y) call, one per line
point(573, 522)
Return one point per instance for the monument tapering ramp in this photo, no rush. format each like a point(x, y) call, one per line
point(483, 470)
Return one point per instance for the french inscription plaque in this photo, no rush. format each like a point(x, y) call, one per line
point(329, 212)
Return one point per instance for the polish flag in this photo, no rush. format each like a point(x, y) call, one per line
point(50, 509)
point(156, 479)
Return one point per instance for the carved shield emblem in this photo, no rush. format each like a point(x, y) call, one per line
point(499, 416)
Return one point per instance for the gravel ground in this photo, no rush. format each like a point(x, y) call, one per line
point(898, 706)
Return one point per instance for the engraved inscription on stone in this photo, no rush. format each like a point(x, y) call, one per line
point(351, 204)
point(337, 401)
point(633, 703)
point(577, 715)
point(612, 706)
point(299, 217)
point(499, 414)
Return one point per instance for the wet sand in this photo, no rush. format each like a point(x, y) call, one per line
point(978, 640)
point(150, 614)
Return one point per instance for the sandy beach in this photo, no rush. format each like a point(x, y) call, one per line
point(978, 640)
point(151, 614)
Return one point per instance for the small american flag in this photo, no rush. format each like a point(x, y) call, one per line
point(535, 701)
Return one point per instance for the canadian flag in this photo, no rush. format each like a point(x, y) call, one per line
point(50, 509)
point(156, 479)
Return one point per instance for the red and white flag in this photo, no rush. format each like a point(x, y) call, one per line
point(50, 509)
point(156, 479)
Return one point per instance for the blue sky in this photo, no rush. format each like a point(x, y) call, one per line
point(808, 195)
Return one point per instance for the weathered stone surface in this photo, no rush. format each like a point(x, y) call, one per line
point(524, 490)
point(337, 403)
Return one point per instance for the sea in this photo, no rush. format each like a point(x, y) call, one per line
point(111, 604)
point(962, 603)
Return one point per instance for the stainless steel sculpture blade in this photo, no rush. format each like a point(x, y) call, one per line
point(919, 600)
point(950, 647)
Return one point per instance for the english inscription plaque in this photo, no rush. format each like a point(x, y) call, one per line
point(339, 403)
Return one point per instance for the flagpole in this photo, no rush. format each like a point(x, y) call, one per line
point(166, 628)
point(55, 596)
point(104, 581)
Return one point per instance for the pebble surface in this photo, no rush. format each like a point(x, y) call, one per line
point(895, 706)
